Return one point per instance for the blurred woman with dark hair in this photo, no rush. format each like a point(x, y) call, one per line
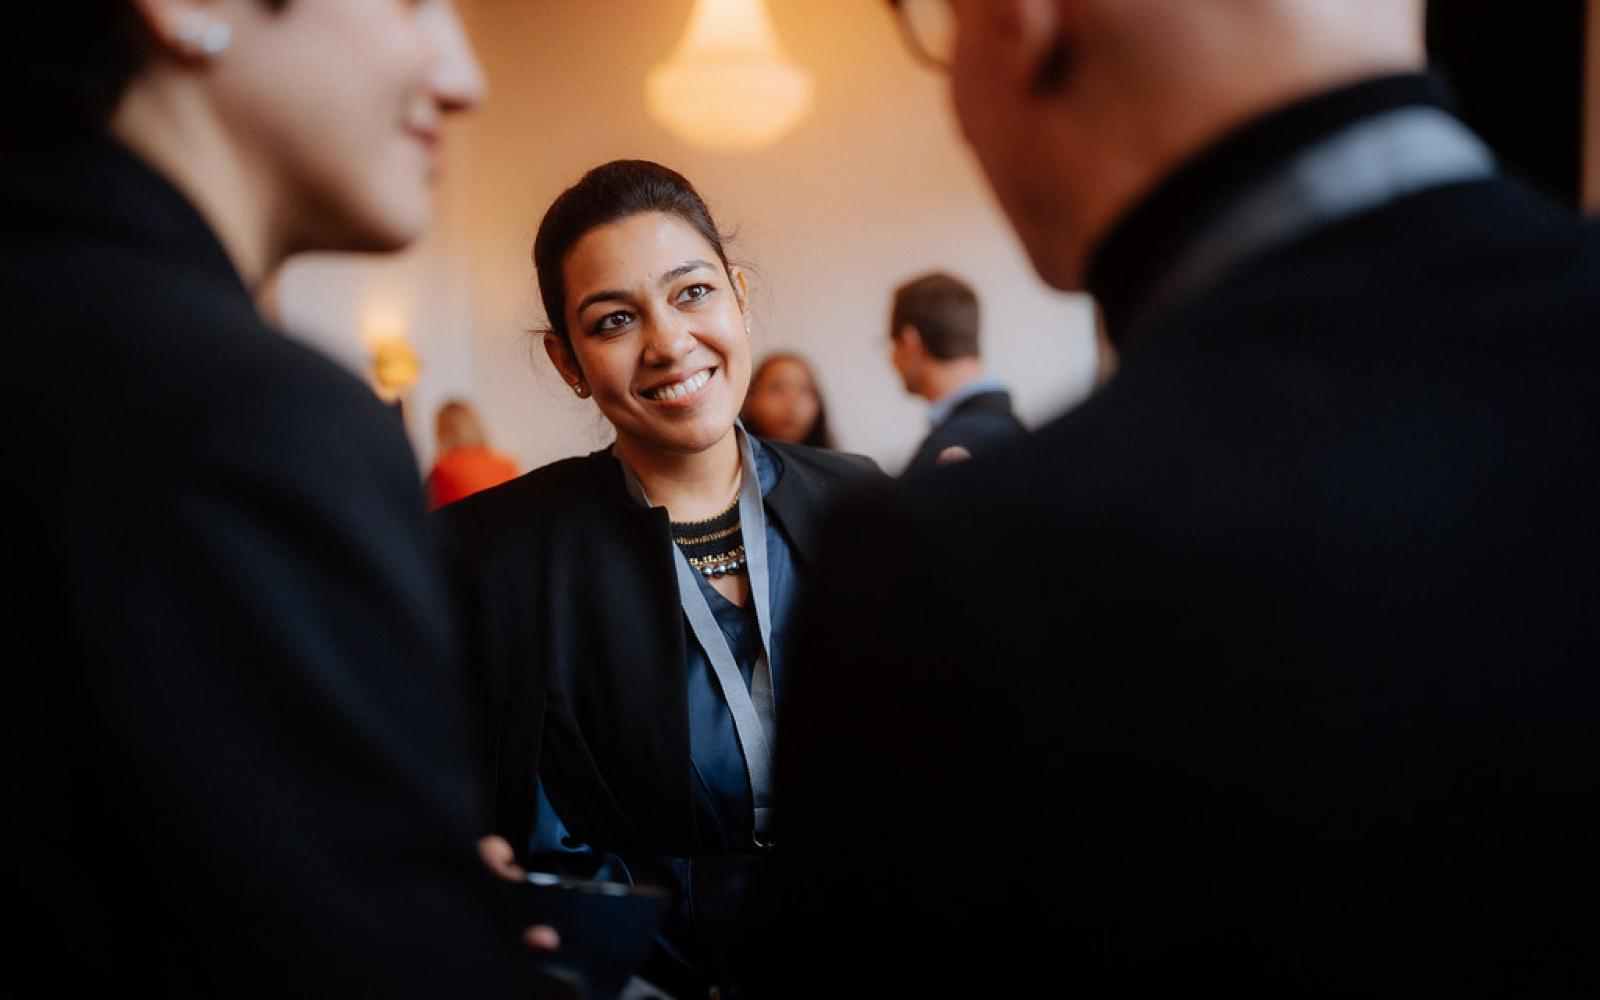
point(239, 763)
point(629, 608)
point(785, 402)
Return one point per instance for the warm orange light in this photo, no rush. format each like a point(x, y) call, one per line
point(395, 367)
point(395, 364)
point(728, 86)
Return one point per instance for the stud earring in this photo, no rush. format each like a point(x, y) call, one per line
point(205, 37)
point(581, 390)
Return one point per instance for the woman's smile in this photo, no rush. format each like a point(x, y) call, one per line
point(679, 391)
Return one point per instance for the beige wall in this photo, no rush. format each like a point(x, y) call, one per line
point(875, 186)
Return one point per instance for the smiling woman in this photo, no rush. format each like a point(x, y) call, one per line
point(649, 318)
point(658, 337)
point(628, 609)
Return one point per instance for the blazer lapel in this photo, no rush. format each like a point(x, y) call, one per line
point(797, 503)
point(644, 753)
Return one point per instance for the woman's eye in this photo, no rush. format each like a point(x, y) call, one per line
point(694, 293)
point(612, 321)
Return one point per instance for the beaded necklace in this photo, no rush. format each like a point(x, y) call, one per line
point(715, 546)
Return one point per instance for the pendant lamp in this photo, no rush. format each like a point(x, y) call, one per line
point(728, 86)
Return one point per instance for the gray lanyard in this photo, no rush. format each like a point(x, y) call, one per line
point(752, 708)
point(1364, 166)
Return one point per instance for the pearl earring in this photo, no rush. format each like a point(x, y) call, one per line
point(206, 37)
point(581, 390)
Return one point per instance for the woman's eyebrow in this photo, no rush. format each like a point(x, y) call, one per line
point(682, 269)
point(615, 295)
point(608, 295)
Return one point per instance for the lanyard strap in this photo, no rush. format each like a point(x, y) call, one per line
point(752, 707)
point(1362, 167)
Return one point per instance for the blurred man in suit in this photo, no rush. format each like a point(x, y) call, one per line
point(1272, 667)
point(933, 338)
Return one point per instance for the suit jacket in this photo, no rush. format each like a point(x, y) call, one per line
point(570, 596)
point(1271, 667)
point(979, 424)
point(237, 761)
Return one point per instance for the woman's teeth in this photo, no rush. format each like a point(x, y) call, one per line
point(678, 390)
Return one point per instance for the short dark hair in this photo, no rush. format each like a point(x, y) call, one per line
point(944, 309)
point(609, 193)
point(79, 58)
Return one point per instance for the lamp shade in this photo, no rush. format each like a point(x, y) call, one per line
point(728, 85)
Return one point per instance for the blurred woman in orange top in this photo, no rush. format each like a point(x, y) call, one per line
point(466, 463)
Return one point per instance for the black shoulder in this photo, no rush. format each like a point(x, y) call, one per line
point(183, 359)
point(982, 419)
point(531, 502)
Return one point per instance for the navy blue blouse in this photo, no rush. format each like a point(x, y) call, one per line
point(721, 782)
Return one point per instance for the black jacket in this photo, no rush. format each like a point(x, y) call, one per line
point(570, 598)
point(237, 763)
point(979, 424)
point(1272, 668)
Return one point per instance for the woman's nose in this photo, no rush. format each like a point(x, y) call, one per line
point(666, 341)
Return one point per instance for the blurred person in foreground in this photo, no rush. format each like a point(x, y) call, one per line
point(785, 402)
point(1270, 668)
point(933, 345)
point(466, 464)
point(238, 764)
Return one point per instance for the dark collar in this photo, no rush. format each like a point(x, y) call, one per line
point(796, 502)
point(809, 481)
point(990, 401)
point(94, 187)
point(1131, 262)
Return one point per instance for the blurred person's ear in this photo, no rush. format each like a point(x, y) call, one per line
point(1011, 78)
point(908, 356)
point(194, 30)
point(1046, 48)
point(910, 340)
point(1020, 39)
point(566, 363)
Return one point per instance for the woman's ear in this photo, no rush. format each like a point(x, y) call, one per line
point(193, 29)
point(741, 287)
point(566, 363)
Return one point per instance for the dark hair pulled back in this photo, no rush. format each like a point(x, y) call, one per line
point(609, 193)
point(71, 66)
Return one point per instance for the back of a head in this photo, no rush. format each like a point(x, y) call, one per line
point(458, 426)
point(944, 310)
point(1077, 109)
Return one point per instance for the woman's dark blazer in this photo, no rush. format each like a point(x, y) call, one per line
point(577, 643)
